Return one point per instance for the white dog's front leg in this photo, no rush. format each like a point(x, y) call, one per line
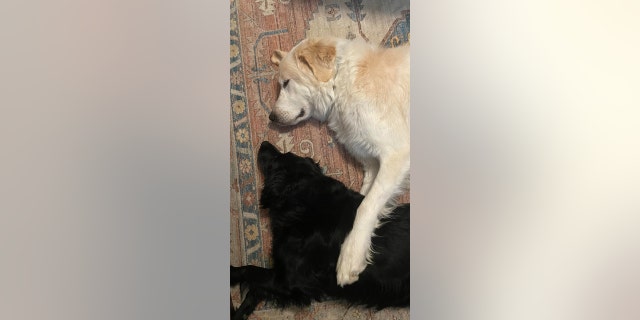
point(356, 248)
point(353, 255)
point(370, 172)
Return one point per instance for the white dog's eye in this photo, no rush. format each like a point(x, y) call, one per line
point(285, 83)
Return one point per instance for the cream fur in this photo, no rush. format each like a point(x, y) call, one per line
point(362, 92)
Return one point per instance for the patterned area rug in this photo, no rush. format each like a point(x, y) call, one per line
point(258, 27)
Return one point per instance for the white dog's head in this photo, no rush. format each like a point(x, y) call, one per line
point(306, 81)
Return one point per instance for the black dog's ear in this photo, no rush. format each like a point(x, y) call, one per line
point(271, 197)
point(316, 192)
point(266, 198)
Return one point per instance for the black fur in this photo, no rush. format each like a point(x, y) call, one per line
point(311, 214)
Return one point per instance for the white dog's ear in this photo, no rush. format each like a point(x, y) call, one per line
point(319, 57)
point(277, 56)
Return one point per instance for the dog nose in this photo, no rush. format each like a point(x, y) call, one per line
point(266, 146)
point(273, 117)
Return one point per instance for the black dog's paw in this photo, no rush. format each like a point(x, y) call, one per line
point(233, 310)
point(235, 275)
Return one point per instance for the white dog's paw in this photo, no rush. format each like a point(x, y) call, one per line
point(353, 258)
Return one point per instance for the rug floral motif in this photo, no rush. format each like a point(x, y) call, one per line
point(258, 27)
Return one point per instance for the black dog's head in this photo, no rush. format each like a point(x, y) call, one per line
point(286, 175)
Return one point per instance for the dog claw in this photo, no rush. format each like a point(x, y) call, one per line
point(346, 278)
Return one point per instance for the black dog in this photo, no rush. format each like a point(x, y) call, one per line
point(311, 215)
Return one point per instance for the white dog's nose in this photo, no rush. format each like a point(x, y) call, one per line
point(273, 117)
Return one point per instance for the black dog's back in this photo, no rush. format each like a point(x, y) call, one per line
point(386, 280)
point(311, 214)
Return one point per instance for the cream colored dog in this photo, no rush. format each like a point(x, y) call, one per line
point(362, 92)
